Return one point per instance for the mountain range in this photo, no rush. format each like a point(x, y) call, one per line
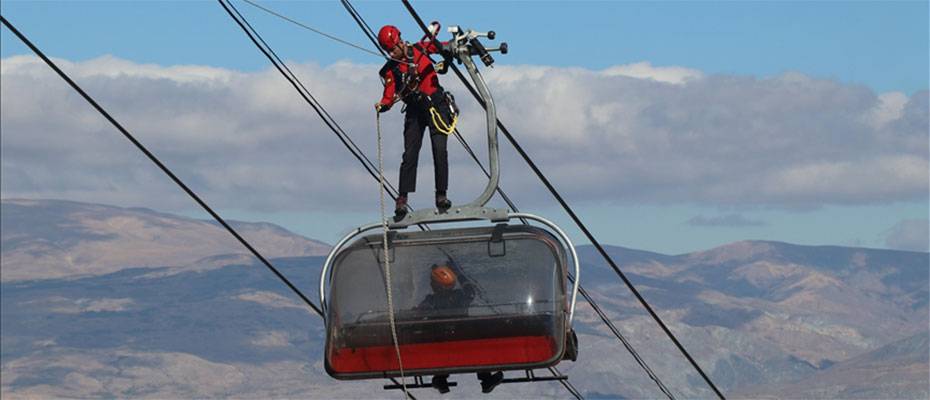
point(104, 301)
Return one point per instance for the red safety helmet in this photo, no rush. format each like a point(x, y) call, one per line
point(388, 37)
point(443, 276)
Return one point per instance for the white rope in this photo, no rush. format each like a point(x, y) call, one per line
point(387, 262)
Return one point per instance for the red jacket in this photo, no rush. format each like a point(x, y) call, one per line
point(429, 81)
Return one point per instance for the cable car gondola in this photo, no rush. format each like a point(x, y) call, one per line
point(467, 299)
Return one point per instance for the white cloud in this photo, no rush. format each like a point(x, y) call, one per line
point(116, 68)
point(632, 133)
point(889, 176)
point(78, 306)
point(890, 107)
point(272, 339)
point(645, 70)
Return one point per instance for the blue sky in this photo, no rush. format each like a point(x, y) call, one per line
point(877, 46)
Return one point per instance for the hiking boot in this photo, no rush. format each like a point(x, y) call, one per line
point(443, 203)
point(400, 208)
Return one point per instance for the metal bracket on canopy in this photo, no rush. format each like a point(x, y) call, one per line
point(496, 246)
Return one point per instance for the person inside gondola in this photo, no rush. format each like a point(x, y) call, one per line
point(445, 297)
point(448, 301)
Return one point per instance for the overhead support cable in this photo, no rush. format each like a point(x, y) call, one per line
point(371, 36)
point(639, 360)
point(307, 96)
point(303, 91)
point(312, 29)
point(367, 30)
point(362, 24)
point(314, 103)
point(289, 75)
point(266, 49)
point(158, 163)
point(576, 219)
point(164, 169)
point(568, 385)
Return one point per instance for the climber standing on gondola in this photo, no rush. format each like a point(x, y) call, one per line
point(409, 76)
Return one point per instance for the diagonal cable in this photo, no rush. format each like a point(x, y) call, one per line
point(158, 163)
point(587, 298)
point(164, 168)
point(362, 24)
point(568, 385)
point(307, 97)
point(626, 344)
point(368, 32)
point(579, 223)
point(312, 29)
point(304, 92)
point(371, 37)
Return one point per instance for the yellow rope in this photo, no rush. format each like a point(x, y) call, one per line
point(440, 124)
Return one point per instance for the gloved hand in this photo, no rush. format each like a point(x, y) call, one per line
point(379, 107)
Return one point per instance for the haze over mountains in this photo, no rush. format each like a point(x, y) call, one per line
point(63, 239)
point(101, 301)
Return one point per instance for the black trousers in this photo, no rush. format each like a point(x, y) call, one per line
point(415, 123)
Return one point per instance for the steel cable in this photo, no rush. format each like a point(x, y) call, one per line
point(308, 97)
point(367, 30)
point(324, 34)
point(639, 360)
point(370, 34)
point(576, 219)
point(565, 383)
point(269, 53)
point(303, 91)
point(160, 165)
point(364, 25)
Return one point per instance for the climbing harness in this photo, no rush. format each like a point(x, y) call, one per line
point(405, 83)
point(407, 86)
